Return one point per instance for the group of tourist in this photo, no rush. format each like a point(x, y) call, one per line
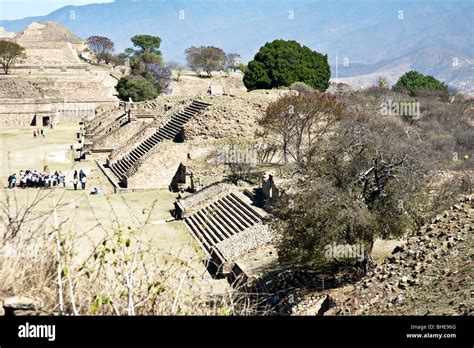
point(35, 179)
point(37, 133)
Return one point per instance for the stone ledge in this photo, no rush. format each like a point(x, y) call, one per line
point(22, 302)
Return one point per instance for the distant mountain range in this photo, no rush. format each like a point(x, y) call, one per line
point(370, 38)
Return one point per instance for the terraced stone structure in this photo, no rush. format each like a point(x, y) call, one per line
point(129, 163)
point(104, 125)
point(225, 224)
point(54, 83)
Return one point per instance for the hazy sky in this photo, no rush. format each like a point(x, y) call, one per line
point(16, 9)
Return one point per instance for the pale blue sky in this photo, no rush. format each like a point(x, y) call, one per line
point(16, 9)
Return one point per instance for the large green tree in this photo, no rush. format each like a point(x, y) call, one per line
point(281, 63)
point(147, 43)
point(414, 82)
point(146, 51)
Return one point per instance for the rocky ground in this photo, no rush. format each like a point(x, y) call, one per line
point(430, 275)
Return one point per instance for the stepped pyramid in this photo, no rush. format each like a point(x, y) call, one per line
point(66, 88)
point(50, 44)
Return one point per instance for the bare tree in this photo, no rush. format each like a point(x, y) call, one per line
point(233, 61)
point(101, 46)
point(298, 120)
point(177, 67)
point(205, 58)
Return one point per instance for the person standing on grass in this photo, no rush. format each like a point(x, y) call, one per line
point(13, 180)
point(83, 182)
point(62, 179)
point(34, 134)
point(75, 180)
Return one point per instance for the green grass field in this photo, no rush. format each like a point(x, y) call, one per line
point(91, 216)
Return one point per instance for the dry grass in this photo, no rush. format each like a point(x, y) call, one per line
point(111, 254)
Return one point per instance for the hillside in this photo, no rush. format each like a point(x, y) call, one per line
point(372, 37)
point(418, 275)
point(450, 66)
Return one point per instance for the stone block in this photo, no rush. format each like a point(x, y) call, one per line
point(22, 302)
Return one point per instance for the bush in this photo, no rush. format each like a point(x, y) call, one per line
point(415, 83)
point(281, 63)
point(137, 88)
point(301, 87)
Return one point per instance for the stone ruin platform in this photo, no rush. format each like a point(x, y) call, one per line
point(228, 227)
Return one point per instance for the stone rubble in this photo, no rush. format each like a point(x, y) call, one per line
point(245, 241)
point(416, 278)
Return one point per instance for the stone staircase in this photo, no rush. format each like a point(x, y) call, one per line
point(221, 221)
point(126, 166)
point(150, 105)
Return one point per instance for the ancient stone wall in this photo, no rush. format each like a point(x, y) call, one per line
point(52, 82)
point(121, 135)
point(211, 191)
point(159, 169)
point(21, 112)
point(49, 44)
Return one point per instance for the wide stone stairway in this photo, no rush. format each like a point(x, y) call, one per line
point(128, 164)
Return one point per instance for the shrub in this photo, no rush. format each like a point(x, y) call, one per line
point(301, 87)
point(415, 83)
point(137, 88)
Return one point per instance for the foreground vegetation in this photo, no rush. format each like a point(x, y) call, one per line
point(357, 172)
